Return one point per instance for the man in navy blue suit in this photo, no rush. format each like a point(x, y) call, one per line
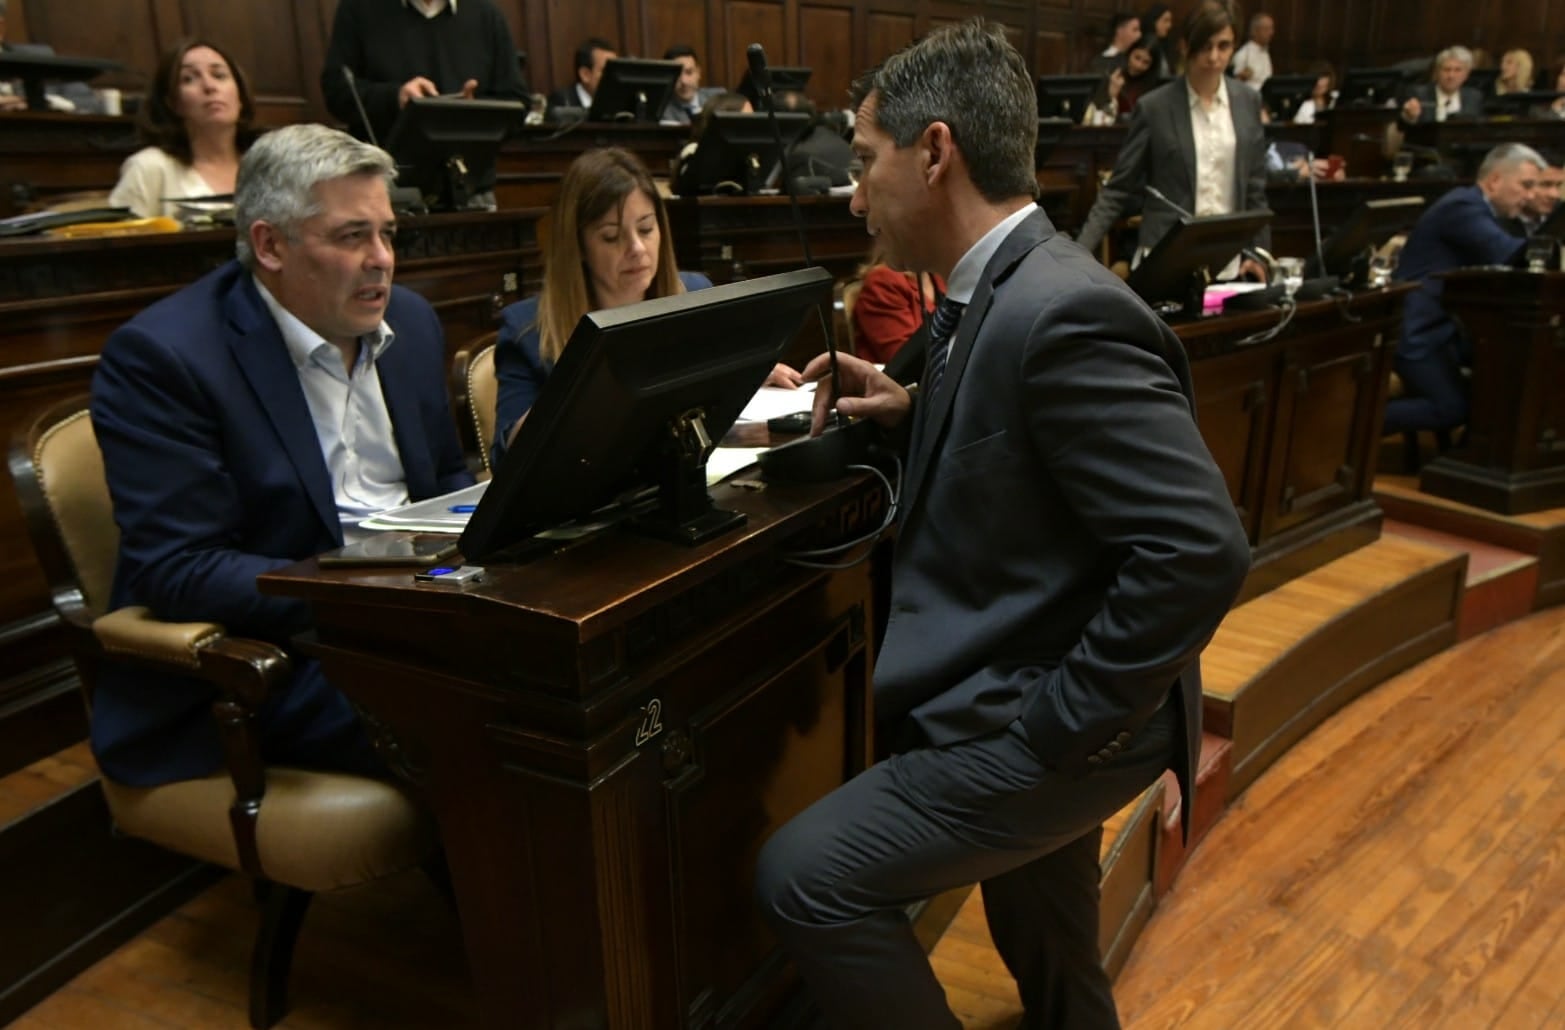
point(1463, 228)
point(252, 420)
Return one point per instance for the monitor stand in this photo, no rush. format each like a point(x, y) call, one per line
point(684, 512)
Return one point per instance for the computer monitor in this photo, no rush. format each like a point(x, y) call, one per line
point(1178, 267)
point(1346, 251)
point(1065, 96)
point(633, 90)
point(1535, 103)
point(737, 153)
point(1370, 87)
point(785, 79)
point(445, 147)
point(1282, 94)
point(1483, 80)
point(639, 397)
point(1050, 132)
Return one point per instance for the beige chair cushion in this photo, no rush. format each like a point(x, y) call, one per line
point(317, 831)
point(133, 632)
point(483, 394)
point(70, 472)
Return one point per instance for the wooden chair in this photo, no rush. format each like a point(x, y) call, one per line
point(295, 832)
point(478, 390)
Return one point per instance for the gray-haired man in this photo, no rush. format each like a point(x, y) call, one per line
point(252, 420)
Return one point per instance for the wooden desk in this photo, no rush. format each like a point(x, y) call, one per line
point(732, 238)
point(607, 737)
point(1294, 424)
point(531, 163)
point(59, 301)
point(1513, 460)
point(44, 155)
point(1464, 143)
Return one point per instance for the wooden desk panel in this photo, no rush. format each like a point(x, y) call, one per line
point(45, 155)
point(59, 300)
point(532, 162)
point(607, 736)
point(1513, 459)
point(1293, 423)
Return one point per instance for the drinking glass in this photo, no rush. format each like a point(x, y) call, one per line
point(1401, 165)
point(1292, 271)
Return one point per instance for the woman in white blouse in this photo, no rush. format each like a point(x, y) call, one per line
point(197, 115)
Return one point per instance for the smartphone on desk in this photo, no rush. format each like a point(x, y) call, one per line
point(392, 548)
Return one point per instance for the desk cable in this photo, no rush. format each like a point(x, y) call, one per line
point(1289, 306)
point(801, 558)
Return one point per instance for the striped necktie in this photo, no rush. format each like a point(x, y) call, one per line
point(942, 326)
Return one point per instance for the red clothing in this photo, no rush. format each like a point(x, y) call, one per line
point(890, 309)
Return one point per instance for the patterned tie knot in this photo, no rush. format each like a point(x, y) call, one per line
point(941, 328)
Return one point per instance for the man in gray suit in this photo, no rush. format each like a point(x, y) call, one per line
point(1067, 546)
point(1197, 140)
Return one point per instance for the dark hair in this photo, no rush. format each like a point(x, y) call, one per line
point(794, 100)
point(1119, 18)
point(1149, 18)
point(968, 76)
point(585, 51)
point(162, 126)
point(1208, 19)
point(724, 101)
point(679, 50)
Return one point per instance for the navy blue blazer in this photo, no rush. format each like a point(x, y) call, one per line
point(1459, 230)
point(217, 476)
point(1472, 102)
point(521, 368)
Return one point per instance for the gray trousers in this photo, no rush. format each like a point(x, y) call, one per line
point(834, 882)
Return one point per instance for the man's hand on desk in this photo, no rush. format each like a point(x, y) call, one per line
point(416, 87)
point(867, 392)
point(785, 377)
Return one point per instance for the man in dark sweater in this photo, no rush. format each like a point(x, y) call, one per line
point(401, 49)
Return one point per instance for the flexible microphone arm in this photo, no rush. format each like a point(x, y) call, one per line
point(762, 77)
point(1157, 194)
point(358, 102)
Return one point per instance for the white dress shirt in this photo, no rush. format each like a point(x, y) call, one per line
point(1256, 58)
point(1213, 129)
point(430, 8)
point(350, 416)
point(1447, 104)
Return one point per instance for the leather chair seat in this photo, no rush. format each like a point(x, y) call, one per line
point(376, 828)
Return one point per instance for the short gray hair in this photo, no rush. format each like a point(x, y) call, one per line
point(970, 77)
point(280, 171)
point(1507, 156)
point(1455, 53)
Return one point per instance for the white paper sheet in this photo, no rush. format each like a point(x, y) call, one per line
point(770, 401)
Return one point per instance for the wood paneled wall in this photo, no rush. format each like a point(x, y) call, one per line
point(282, 45)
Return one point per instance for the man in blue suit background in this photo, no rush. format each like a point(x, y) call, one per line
point(1463, 228)
point(252, 420)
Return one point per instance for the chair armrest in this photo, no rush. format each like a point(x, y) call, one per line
point(244, 672)
point(136, 634)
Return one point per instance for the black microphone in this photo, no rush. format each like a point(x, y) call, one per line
point(825, 456)
point(358, 102)
point(759, 73)
point(1157, 194)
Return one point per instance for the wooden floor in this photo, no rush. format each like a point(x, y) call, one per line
point(1404, 866)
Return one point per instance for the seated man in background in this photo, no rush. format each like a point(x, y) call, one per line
point(1253, 61)
point(1465, 227)
point(591, 56)
point(252, 420)
point(1124, 29)
point(689, 97)
point(820, 152)
point(1447, 96)
point(399, 50)
point(1546, 197)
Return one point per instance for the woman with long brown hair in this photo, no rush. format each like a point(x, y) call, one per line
point(198, 117)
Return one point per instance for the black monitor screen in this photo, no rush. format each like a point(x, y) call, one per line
point(1050, 132)
point(1065, 96)
point(633, 90)
point(445, 147)
point(1370, 87)
point(1371, 224)
point(1283, 94)
point(626, 377)
point(1483, 80)
point(1194, 244)
point(738, 152)
point(784, 79)
point(1527, 104)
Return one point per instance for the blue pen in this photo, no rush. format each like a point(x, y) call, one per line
point(464, 509)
